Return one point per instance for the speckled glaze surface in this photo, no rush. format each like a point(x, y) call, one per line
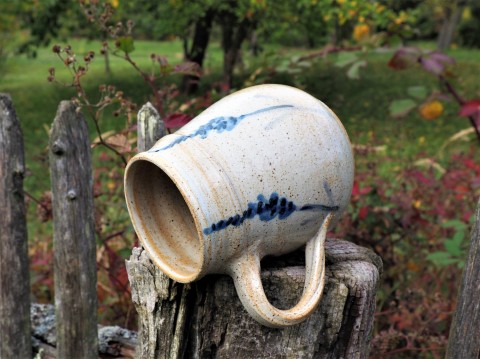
point(261, 172)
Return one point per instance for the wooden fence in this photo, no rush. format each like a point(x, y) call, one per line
point(175, 321)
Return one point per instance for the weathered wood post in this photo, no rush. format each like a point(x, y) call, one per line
point(207, 320)
point(14, 277)
point(162, 311)
point(74, 237)
point(464, 340)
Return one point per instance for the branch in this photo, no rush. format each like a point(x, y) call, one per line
point(448, 85)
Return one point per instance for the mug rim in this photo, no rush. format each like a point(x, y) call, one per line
point(151, 248)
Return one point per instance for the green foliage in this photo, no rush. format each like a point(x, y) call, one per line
point(418, 221)
point(469, 30)
point(125, 44)
point(9, 26)
point(398, 208)
point(455, 249)
point(418, 92)
point(400, 108)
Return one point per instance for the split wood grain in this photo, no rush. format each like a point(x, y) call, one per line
point(464, 339)
point(14, 273)
point(75, 269)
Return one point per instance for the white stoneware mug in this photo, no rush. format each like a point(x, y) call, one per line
point(261, 172)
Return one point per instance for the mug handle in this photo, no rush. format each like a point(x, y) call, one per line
point(246, 275)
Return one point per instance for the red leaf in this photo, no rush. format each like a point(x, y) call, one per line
point(476, 119)
point(362, 214)
point(355, 189)
point(404, 57)
point(176, 120)
point(470, 108)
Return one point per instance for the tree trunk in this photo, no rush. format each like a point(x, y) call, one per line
point(452, 17)
point(216, 325)
point(75, 265)
point(14, 275)
point(201, 37)
point(234, 32)
point(108, 69)
point(255, 48)
point(464, 342)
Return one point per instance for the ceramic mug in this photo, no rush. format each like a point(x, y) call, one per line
point(261, 172)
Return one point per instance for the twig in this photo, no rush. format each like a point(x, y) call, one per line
point(37, 201)
point(460, 101)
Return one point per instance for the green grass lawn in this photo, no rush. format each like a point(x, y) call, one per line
point(361, 104)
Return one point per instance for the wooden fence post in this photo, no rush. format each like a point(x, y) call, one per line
point(150, 127)
point(15, 341)
point(207, 320)
point(464, 339)
point(161, 312)
point(74, 237)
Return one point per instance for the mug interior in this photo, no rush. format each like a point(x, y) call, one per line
point(163, 221)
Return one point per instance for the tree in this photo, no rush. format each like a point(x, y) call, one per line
point(452, 12)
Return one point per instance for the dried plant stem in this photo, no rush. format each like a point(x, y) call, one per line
point(452, 91)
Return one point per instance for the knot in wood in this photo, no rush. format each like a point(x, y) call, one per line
point(58, 148)
point(71, 194)
point(19, 171)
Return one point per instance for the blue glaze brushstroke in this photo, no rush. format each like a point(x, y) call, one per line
point(219, 125)
point(266, 209)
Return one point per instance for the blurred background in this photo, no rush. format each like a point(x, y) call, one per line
point(402, 75)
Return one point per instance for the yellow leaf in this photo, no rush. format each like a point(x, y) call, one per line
point(431, 110)
point(361, 31)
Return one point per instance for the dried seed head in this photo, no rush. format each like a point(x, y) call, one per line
point(102, 88)
point(69, 60)
point(56, 49)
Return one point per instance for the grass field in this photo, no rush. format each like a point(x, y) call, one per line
point(361, 104)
